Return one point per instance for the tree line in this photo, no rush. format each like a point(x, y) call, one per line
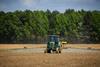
point(34, 26)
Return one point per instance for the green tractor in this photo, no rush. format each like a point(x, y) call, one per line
point(53, 44)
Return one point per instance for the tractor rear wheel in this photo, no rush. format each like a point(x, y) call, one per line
point(49, 51)
point(59, 51)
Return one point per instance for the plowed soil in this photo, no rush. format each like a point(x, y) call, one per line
point(35, 57)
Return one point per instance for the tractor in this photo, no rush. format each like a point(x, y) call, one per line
point(53, 44)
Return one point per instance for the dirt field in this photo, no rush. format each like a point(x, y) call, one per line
point(16, 46)
point(32, 56)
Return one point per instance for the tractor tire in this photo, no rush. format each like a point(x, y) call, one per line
point(49, 51)
point(59, 51)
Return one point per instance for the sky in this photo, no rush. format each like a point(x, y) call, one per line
point(60, 5)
